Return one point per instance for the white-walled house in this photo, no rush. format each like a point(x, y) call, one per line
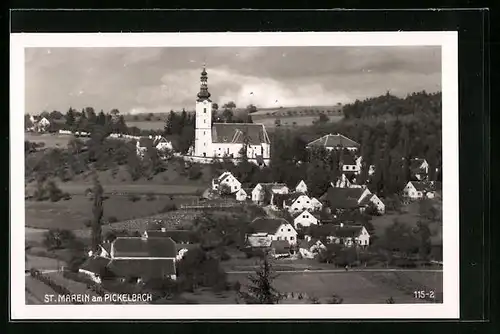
point(228, 180)
point(241, 195)
point(263, 190)
point(316, 204)
point(419, 189)
point(264, 230)
point(373, 199)
point(305, 218)
point(301, 187)
point(347, 236)
point(298, 203)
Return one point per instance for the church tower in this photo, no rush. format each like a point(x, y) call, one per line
point(203, 126)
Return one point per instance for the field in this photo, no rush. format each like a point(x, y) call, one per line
point(72, 214)
point(353, 287)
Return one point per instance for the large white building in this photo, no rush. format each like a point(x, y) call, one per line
point(226, 139)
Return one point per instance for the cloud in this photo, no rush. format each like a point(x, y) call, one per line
point(160, 79)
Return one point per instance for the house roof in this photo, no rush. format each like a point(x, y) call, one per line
point(143, 268)
point(366, 200)
point(177, 236)
point(332, 141)
point(107, 246)
point(95, 264)
point(342, 232)
point(144, 247)
point(266, 225)
point(235, 133)
point(280, 246)
point(424, 185)
point(342, 197)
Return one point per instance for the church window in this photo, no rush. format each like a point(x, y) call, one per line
point(205, 110)
point(204, 132)
point(204, 144)
point(204, 154)
point(204, 121)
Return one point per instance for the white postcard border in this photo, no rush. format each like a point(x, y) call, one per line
point(449, 309)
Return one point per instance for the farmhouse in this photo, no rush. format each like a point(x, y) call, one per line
point(262, 231)
point(263, 193)
point(295, 203)
point(334, 142)
point(344, 198)
point(420, 189)
point(309, 249)
point(143, 258)
point(349, 164)
point(372, 199)
point(347, 236)
point(226, 182)
point(178, 236)
point(280, 249)
point(226, 139)
point(305, 219)
point(158, 142)
point(301, 187)
point(136, 258)
point(241, 195)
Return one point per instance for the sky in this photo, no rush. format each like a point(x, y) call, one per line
point(144, 80)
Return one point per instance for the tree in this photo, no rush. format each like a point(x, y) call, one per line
point(27, 121)
point(198, 269)
point(251, 108)
point(70, 119)
point(97, 211)
point(424, 234)
point(261, 290)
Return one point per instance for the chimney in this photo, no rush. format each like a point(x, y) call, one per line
point(163, 229)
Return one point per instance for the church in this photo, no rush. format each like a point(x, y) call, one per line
point(226, 139)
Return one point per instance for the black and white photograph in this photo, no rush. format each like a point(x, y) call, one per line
point(209, 174)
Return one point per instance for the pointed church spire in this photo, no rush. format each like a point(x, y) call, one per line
point(203, 94)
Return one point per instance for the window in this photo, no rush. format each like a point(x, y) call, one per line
point(204, 154)
point(204, 132)
point(278, 238)
point(204, 110)
point(291, 238)
point(296, 209)
point(204, 121)
point(281, 230)
point(289, 230)
point(285, 238)
point(304, 216)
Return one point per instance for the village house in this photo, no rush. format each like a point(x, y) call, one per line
point(352, 198)
point(263, 193)
point(309, 249)
point(349, 164)
point(40, 124)
point(419, 169)
point(158, 142)
point(420, 189)
point(347, 236)
point(241, 195)
point(334, 142)
point(301, 187)
point(304, 219)
point(262, 231)
point(280, 249)
point(226, 182)
point(296, 202)
point(135, 258)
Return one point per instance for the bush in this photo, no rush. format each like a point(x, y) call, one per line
point(134, 198)
point(194, 172)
